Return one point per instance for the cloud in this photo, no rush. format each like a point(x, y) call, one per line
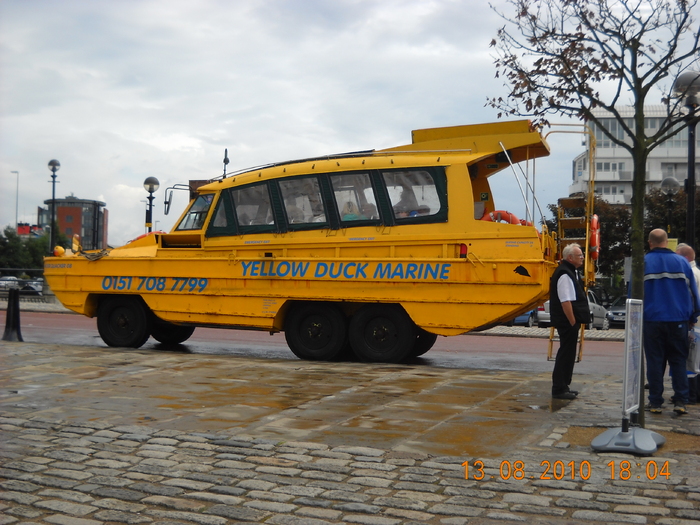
point(119, 91)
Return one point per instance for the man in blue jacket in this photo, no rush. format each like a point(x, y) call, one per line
point(671, 306)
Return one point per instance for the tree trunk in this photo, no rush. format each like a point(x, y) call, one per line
point(639, 156)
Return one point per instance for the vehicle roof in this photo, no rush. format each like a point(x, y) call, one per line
point(429, 147)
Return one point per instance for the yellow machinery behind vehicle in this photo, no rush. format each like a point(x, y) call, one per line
point(578, 224)
point(376, 251)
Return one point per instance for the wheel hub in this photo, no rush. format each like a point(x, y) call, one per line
point(315, 330)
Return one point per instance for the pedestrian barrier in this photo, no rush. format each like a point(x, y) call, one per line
point(635, 440)
point(12, 328)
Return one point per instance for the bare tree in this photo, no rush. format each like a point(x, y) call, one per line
point(567, 57)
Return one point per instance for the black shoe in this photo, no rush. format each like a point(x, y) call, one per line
point(679, 408)
point(574, 392)
point(654, 409)
point(564, 395)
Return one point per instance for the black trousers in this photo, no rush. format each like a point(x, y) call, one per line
point(566, 358)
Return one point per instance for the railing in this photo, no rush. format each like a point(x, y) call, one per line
point(29, 281)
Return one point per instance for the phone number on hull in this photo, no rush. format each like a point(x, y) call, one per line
point(155, 284)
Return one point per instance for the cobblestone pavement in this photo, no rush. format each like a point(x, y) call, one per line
point(64, 464)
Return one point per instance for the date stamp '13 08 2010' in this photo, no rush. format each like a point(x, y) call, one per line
point(558, 470)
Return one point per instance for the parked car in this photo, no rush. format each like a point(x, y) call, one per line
point(25, 286)
point(598, 314)
point(528, 319)
point(617, 312)
point(8, 282)
point(32, 287)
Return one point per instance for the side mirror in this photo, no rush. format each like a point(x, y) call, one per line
point(168, 201)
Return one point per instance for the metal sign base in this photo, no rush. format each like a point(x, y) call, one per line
point(635, 441)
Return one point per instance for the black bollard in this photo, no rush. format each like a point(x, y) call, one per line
point(12, 329)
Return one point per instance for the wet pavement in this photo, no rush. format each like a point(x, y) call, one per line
point(94, 436)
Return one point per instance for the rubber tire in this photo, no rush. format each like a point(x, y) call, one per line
point(606, 324)
point(530, 321)
point(315, 331)
point(382, 333)
point(424, 342)
point(123, 321)
point(170, 333)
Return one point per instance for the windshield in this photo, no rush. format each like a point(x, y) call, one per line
point(620, 301)
point(194, 219)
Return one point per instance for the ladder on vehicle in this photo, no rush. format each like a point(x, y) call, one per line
point(574, 217)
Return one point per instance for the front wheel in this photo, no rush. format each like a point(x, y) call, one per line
point(315, 331)
point(382, 333)
point(530, 321)
point(424, 342)
point(123, 321)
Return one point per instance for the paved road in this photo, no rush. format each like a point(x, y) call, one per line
point(503, 348)
point(95, 436)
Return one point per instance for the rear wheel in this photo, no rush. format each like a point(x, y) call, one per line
point(123, 321)
point(382, 333)
point(530, 321)
point(424, 342)
point(170, 333)
point(315, 331)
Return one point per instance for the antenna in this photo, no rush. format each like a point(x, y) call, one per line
point(225, 161)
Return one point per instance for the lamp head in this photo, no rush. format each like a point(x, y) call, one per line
point(151, 184)
point(670, 186)
point(54, 165)
point(687, 86)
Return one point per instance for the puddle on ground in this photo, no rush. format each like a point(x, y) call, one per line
point(456, 412)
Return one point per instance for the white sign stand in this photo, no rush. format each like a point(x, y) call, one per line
point(634, 440)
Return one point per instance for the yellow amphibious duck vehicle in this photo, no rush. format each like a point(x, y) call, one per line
point(374, 252)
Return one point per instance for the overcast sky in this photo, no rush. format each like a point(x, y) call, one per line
point(118, 91)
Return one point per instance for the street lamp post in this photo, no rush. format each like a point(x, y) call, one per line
point(54, 166)
point(151, 184)
point(687, 87)
point(16, 202)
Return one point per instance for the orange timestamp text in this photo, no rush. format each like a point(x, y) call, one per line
point(573, 470)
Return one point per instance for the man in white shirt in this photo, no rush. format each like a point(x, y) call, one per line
point(569, 309)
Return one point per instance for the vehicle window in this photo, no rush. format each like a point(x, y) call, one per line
point(303, 204)
point(195, 217)
point(592, 298)
point(222, 222)
point(413, 193)
point(253, 209)
point(355, 197)
point(620, 301)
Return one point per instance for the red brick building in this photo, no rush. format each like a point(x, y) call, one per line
point(87, 218)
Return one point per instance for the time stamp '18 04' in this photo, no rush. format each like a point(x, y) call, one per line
point(572, 470)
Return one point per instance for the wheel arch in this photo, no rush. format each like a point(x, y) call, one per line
point(92, 303)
